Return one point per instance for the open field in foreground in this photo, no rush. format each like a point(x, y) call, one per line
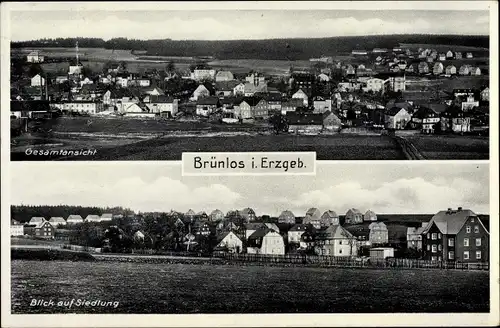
point(451, 146)
point(180, 288)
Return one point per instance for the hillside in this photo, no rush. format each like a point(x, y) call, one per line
point(273, 49)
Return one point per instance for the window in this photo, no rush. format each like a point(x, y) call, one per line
point(478, 255)
point(478, 241)
point(471, 219)
point(428, 236)
point(466, 242)
point(467, 229)
point(434, 236)
point(476, 229)
point(433, 258)
point(466, 255)
point(340, 251)
point(451, 242)
point(451, 255)
point(428, 247)
point(440, 247)
point(439, 235)
point(434, 248)
point(439, 258)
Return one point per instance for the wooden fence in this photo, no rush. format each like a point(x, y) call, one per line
point(348, 262)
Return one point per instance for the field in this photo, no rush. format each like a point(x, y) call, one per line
point(180, 288)
point(451, 147)
point(272, 67)
point(442, 47)
point(447, 84)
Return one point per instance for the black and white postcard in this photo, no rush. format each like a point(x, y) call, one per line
point(246, 164)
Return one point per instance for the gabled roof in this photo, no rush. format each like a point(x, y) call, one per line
point(254, 225)
point(424, 112)
point(260, 233)
point(449, 222)
point(37, 219)
point(251, 101)
point(57, 219)
point(272, 226)
point(394, 111)
point(74, 217)
point(334, 232)
point(214, 101)
point(330, 214)
point(93, 217)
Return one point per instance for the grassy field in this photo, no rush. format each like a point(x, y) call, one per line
point(451, 146)
point(180, 288)
point(441, 47)
point(265, 66)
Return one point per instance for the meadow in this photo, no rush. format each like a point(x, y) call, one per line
point(180, 288)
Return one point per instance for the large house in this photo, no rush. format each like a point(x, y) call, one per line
point(286, 217)
point(456, 235)
point(266, 241)
point(40, 230)
point(396, 118)
point(353, 216)
point(335, 241)
point(163, 105)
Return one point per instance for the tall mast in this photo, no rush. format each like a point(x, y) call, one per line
point(76, 52)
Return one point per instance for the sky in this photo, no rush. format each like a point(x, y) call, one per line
point(243, 24)
point(158, 186)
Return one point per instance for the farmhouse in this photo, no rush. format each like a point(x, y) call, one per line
point(164, 105)
point(229, 242)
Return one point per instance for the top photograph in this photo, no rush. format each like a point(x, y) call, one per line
point(347, 84)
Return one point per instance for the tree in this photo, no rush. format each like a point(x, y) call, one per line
point(170, 68)
point(123, 65)
point(279, 123)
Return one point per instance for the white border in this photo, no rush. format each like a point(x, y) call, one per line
point(274, 320)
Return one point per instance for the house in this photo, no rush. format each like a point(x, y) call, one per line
point(203, 74)
point(313, 217)
point(251, 89)
point(74, 219)
point(163, 105)
point(475, 71)
point(224, 76)
point(442, 57)
point(430, 59)
point(437, 68)
point(272, 226)
point(353, 216)
point(378, 233)
point(469, 103)
point(35, 57)
point(350, 70)
point(42, 229)
point(80, 106)
point(450, 70)
point(323, 77)
point(118, 96)
point(449, 54)
point(456, 235)
point(423, 68)
point(37, 81)
point(246, 108)
point(414, 236)
point(216, 215)
point(304, 123)
point(267, 242)
point(248, 214)
point(370, 216)
point(36, 220)
point(335, 241)
point(56, 221)
point(207, 105)
point(464, 70)
point(239, 89)
point(93, 218)
point(374, 85)
point(469, 55)
point(202, 229)
point(291, 105)
point(262, 109)
point(295, 232)
point(322, 104)
point(251, 227)
point(273, 100)
point(255, 79)
point(230, 242)
point(426, 119)
point(379, 254)
point(226, 88)
point(16, 228)
point(396, 118)
point(61, 79)
point(458, 55)
point(329, 218)
point(106, 217)
point(200, 92)
point(485, 94)
point(286, 217)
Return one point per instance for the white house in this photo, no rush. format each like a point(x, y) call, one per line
point(106, 217)
point(449, 54)
point(451, 70)
point(295, 233)
point(35, 57)
point(485, 94)
point(16, 228)
point(75, 70)
point(37, 81)
point(93, 218)
point(370, 216)
point(375, 85)
point(266, 242)
point(239, 89)
point(81, 106)
point(74, 219)
point(335, 241)
point(200, 92)
point(203, 74)
point(323, 77)
point(36, 220)
point(224, 76)
point(231, 242)
point(55, 221)
point(301, 95)
point(163, 105)
point(397, 118)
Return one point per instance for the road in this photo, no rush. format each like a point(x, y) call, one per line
point(409, 150)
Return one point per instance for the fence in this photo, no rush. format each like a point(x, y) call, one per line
point(348, 262)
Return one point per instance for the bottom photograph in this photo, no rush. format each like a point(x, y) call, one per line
point(140, 238)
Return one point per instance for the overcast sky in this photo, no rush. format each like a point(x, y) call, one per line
point(384, 188)
point(243, 24)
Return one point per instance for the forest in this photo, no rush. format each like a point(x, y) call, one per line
point(271, 49)
point(23, 213)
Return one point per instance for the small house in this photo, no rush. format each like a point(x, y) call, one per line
point(229, 242)
point(74, 219)
point(286, 217)
point(437, 69)
point(329, 218)
point(16, 228)
point(379, 254)
point(216, 215)
point(313, 217)
point(397, 118)
point(378, 233)
point(450, 70)
point(206, 106)
point(353, 216)
point(370, 216)
point(56, 221)
point(93, 218)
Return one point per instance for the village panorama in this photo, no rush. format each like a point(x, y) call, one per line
point(247, 262)
point(378, 97)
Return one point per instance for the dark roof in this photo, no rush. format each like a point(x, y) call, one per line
point(450, 221)
point(295, 118)
point(231, 100)
point(294, 102)
point(268, 96)
point(161, 99)
point(393, 111)
point(208, 101)
point(252, 101)
point(260, 233)
point(424, 112)
point(30, 105)
point(226, 85)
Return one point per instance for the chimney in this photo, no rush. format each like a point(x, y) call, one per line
point(459, 208)
point(449, 210)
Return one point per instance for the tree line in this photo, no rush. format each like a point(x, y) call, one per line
point(23, 213)
point(271, 49)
